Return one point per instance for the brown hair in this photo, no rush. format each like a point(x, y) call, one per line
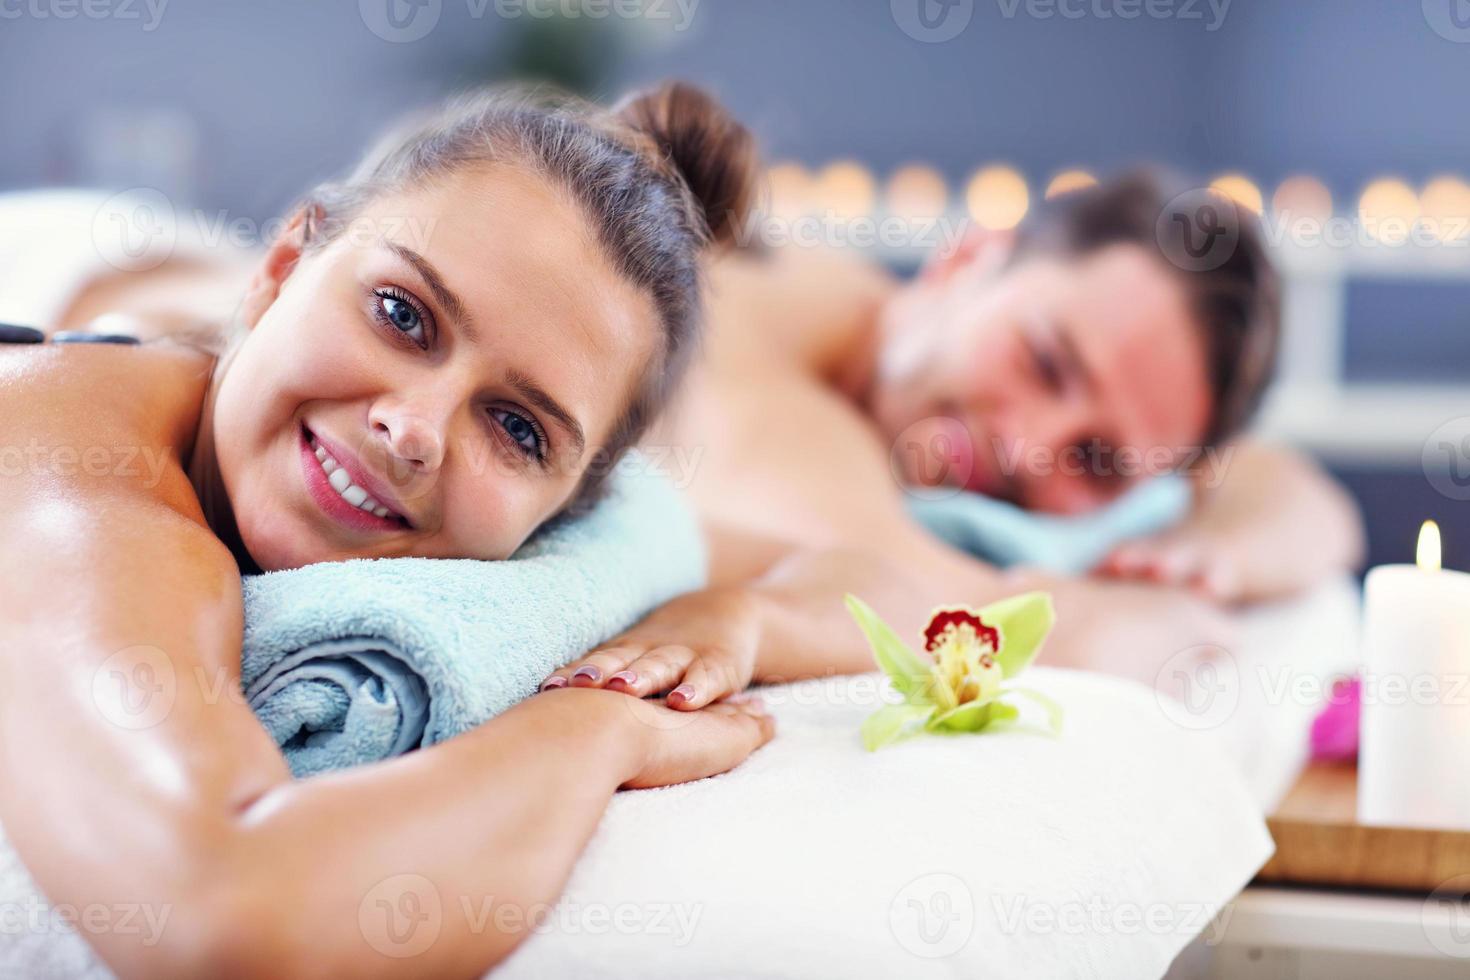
point(663, 176)
point(1232, 287)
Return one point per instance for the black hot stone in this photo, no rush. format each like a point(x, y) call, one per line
point(11, 334)
point(75, 337)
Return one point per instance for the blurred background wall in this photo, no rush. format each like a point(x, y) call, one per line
point(236, 108)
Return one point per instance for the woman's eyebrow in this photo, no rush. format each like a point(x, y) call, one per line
point(447, 297)
point(537, 396)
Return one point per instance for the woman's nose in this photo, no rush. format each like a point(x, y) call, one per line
point(415, 442)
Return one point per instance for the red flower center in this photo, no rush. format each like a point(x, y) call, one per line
point(946, 618)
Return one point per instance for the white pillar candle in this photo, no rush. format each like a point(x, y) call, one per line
point(1414, 753)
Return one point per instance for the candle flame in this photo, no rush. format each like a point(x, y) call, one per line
point(1429, 547)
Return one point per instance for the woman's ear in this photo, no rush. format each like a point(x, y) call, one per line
point(980, 250)
point(277, 264)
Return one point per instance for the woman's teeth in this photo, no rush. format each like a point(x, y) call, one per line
point(346, 489)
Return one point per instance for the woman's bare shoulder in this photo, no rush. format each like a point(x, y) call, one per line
point(83, 395)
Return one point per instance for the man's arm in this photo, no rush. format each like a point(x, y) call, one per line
point(1115, 627)
point(788, 621)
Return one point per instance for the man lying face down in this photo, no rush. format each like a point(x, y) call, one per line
point(1123, 331)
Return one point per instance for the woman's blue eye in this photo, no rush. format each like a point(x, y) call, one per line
point(520, 429)
point(403, 317)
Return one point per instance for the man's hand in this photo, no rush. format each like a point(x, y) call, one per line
point(1208, 564)
point(1274, 526)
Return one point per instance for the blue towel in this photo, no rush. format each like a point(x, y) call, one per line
point(352, 662)
point(1004, 534)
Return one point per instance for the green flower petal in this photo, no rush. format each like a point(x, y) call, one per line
point(968, 717)
point(893, 722)
point(910, 675)
point(1053, 710)
point(1024, 622)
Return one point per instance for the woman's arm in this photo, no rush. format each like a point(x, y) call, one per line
point(182, 805)
point(135, 777)
point(1273, 525)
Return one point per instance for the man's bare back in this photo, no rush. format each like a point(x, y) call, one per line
point(782, 458)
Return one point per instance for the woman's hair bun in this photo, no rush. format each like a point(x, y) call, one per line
point(713, 153)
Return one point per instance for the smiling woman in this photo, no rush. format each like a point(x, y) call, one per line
point(453, 414)
point(433, 359)
point(507, 295)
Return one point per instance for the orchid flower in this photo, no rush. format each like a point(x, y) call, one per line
point(963, 686)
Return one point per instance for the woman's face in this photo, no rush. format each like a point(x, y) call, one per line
point(433, 382)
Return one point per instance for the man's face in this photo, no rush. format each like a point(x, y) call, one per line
point(1052, 382)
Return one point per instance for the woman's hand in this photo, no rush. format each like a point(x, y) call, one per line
point(682, 746)
point(700, 647)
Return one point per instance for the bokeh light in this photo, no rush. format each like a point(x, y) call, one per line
point(997, 198)
point(1445, 206)
point(847, 189)
point(917, 192)
point(1388, 209)
point(792, 190)
point(1240, 189)
point(1303, 197)
point(1068, 181)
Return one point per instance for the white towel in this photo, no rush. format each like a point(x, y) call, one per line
point(1002, 855)
point(1100, 854)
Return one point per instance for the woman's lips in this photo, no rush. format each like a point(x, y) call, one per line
point(320, 488)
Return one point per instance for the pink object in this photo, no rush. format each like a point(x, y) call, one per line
point(1335, 730)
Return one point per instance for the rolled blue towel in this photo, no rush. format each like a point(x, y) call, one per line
point(347, 663)
point(1004, 534)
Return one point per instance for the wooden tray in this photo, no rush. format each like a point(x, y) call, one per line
point(1319, 842)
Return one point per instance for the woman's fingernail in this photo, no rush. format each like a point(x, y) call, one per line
point(623, 677)
point(685, 691)
point(589, 672)
point(553, 682)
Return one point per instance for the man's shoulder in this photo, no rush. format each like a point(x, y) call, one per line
point(808, 307)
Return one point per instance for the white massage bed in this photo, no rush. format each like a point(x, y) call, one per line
point(1099, 854)
point(1284, 651)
